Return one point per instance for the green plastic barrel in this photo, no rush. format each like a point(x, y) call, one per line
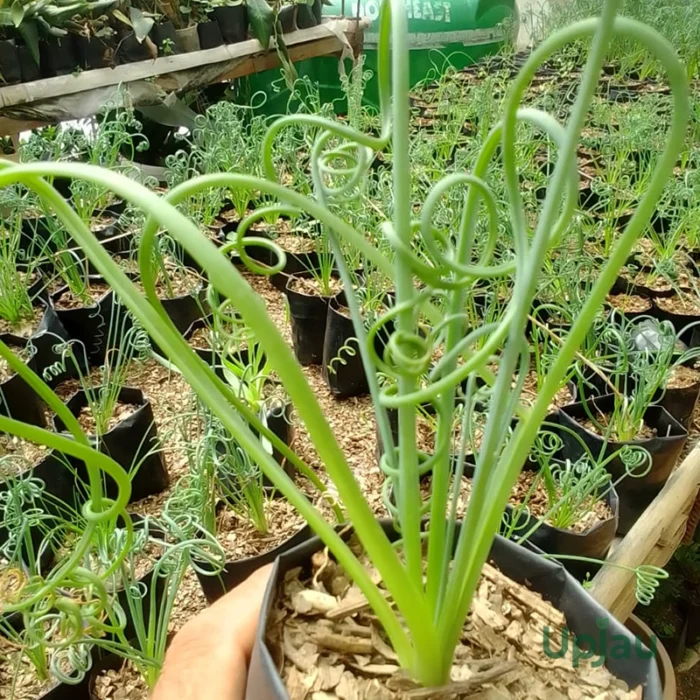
point(442, 33)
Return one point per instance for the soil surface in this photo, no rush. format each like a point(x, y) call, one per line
point(5, 370)
point(25, 327)
point(295, 244)
point(125, 683)
point(121, 412)
point(603, 421)
point(18, 679)
point(94, 293)
point(182, 281)
point(23, 453)
point(312, 287)
point(684, 304)
point(683, 377)
point(630, 303)
point(688, 684)
point(240, 538)
point(329, 645)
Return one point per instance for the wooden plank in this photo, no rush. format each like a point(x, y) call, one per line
point(652, 540)
point(324, 47)
point(48, 88)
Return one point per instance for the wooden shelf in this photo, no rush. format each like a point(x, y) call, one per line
point(652, 540)
point(148, 83)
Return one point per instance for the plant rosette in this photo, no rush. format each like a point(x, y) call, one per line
point(522, 600)
point(590, 538)
point(209, 34)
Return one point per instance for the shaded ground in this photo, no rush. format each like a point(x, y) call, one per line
point(689, 684)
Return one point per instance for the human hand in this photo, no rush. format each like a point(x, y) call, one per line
point(208, 658)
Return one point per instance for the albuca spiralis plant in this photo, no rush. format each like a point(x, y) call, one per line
point(428, 596)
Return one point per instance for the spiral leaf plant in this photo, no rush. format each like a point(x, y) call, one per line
point(430, 579)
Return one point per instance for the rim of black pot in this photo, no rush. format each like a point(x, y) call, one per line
point(679, 430)
point(127, 395)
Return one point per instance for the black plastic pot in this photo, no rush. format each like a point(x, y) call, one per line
point(308, 319)
point(209, 35)
point(29, 68)
point(521, 564)
point(635, 493)
point(130, 50)
point(113, 239)
point(17, 399)
point(690, 337)
point(235, 572)
point(593, 543)
point(278, 419)
point(58, 56)
point(296, 263)
point(10, 70)
point(232, 21)
point(47, 339)
point(186, 309)
point(342, 364)
point(96, 52)
point(57, 474)
point(90, 324)
point(680, 403)
point(132, 443)
point(287, 18)
point(187, 39)
point(162, 35)
point(306, 17)
point(65, 691)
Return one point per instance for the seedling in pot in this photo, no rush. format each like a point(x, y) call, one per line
point(239, 481)
point(18, 289)
point(126, 341)
point(573, 488)
point(147, 583)
point(646, 353)
point(203, 206)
